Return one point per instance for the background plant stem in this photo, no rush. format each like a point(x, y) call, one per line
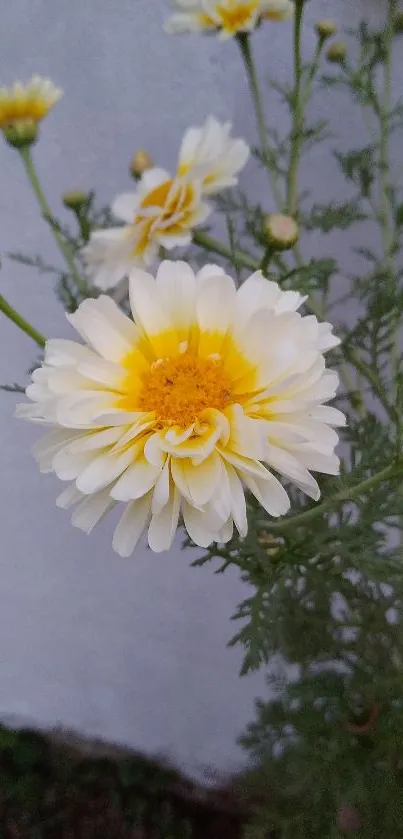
point(246, 52)
point(297, 117)
point(22, 324)
point(28, 162)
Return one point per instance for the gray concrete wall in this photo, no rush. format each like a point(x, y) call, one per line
point(130, 650)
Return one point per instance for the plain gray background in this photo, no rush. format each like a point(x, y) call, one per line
point(133, 651)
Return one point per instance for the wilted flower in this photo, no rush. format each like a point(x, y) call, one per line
point(22, 107)
point(180, 412)
point(227, 17)
point(212, 156)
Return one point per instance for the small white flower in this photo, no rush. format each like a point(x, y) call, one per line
point(204, 396)
point(161, 213)
point(27, 102)
point(227, 17)
point(212, 156)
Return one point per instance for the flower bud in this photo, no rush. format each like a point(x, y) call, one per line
point(21, 133)
point(282, 232)
point(140, 163)
point(75, 200)
point(325, 28)
point(336, 52)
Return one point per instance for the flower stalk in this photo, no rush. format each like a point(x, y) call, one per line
point(21, 322)
point(26, 157)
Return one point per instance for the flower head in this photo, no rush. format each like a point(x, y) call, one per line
point(212, 156)
point(282, 231)
point(202, 397)
point(141, 161)
point(227, 17)
point(162, 213)
point(22, 107)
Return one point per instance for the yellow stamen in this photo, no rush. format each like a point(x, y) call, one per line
point(236, 16)
point(178, 389)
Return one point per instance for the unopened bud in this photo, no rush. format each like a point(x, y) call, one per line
point(75, 200)
point(336, 52)
point(325, 28)
point(398, 23)
point(140, 163)
point(282, 231)
point(21, 133)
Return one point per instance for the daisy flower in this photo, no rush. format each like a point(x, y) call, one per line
point(161, 213)
point(227, 17)
point(205, 394)
point(23, 106)
point(211, 155)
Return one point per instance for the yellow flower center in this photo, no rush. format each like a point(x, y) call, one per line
point(16, 110)
point(236, 16)
point(176, 205)
point(178, 389)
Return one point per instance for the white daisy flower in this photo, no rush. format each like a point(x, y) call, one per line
point(212, 156)
point(204, 396)
point(29, 102)
point(161, 213)
point(227, 17)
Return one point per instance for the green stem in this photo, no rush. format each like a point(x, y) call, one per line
point(26, 157)
point(347, 494)
point(385, 214)
point(210, 244)
point(19, 321)
point(246, 52)
point(297, 116)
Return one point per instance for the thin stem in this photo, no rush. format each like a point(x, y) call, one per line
point(26, 157)
point(297, 116)
point(385, 215)
point(210, 244)
point(22, 324)
point(346, 494)
point(246, 52)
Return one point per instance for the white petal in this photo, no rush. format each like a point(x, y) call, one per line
point(177, 288)
point(238, 503)
point(125, 206)
point(103, 470)
point(131, 526)
point(102, 324)
point(138, 479)
point(68, 497)
point(214, 304)
point(163, 525)
point(288, 465)
point(91, 510)
point(161, 490)
point(197, 483)
point(270, 494)
point(202, 527)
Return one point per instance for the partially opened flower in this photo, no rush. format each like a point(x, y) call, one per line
point(207, 393)
point(162, 213)
point(211, 155)
point(227, 17)
point(22, 107)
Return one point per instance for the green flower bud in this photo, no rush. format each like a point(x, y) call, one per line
point(336, 52)
point(325, 28)
point(21, 133)
point(75, 200)
point(282, 231)
point(140, 163)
